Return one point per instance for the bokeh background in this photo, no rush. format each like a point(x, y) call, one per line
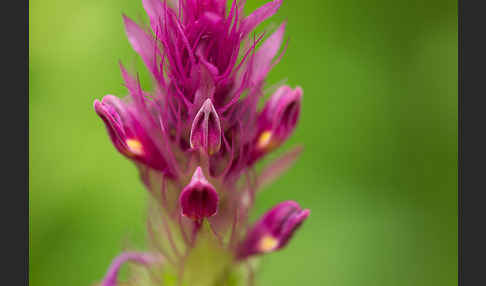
point(379, 128)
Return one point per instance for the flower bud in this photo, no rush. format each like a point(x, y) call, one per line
point(198, 199)
point(277, 120)
point(273, 231)
point(127, 133)
point(206, 129)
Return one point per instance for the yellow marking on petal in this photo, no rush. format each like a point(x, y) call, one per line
point(264, 139)
point(267, 243)
point(134, 146)
point(245, 199)
point(211, 151)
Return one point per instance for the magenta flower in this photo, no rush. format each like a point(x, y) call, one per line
point(273, 230)
point(277, 120)
point(127, 133)
point(199, 199)
point(197, 136)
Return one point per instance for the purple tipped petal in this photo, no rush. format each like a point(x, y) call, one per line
point(194, 9)
point(199, 199)
point(274, 230)
point(143, 44)
point(262, 63)
point(112, 121)
point(136, 257)
point(277, 120)
point(282, 110)
point(206, 129)
point(155, 11)
point(288, 114)
point(259, 15)
point(291, 225)
point(128, 134)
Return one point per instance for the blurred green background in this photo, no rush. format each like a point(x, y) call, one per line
point(379, 127)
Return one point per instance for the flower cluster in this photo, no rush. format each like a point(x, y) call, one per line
point(197, 137)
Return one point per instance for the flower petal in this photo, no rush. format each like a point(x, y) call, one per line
point(155, 11)
point(262, 62)
point(199, 199)
point(276, 121)
point(259, 15)
point(142, 43)
point(273, 230)
point(136, 257)
point(130, 137)
point(206, 129)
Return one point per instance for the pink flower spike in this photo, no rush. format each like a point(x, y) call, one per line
point(196, 136)
point(206, 129)
point(199, 199)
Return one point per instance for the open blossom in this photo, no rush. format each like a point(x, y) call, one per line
point(199, 199)
point(197, 137)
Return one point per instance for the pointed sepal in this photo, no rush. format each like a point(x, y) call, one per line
point(206, 129)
